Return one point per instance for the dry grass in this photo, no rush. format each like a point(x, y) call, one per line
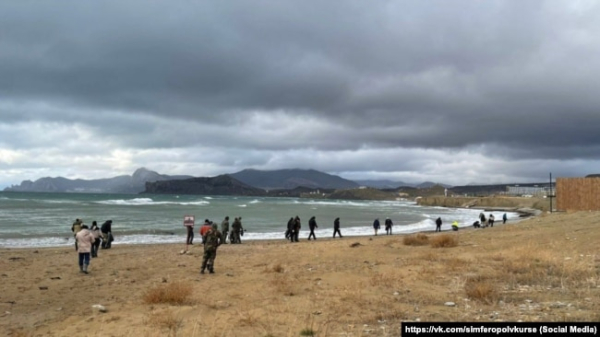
point(165, 320)
point(283, 285)
point(444, 241)
point(278, 268)
point(176, 293)
point(419, 239)
point(19, 333)
point(481, 290)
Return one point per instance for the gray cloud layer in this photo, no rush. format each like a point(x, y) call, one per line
point(461, 91)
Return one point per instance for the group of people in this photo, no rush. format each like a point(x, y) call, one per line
point(483, 222)
point(294, 224)
point(89, 240)
point(212, 238)
point(388, 226)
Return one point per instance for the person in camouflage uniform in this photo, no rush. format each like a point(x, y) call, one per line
point(212, 240)
point(236, 229)
point(225, 229)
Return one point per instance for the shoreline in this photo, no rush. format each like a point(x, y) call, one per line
point(525, 214)
point(538, 269)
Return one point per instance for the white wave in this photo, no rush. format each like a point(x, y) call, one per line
point(243, 205)
point(255, 201)
point(209, 198)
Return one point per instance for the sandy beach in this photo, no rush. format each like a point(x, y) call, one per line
point(544, 268)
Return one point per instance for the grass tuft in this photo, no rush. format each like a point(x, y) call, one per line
point(481, 290)
point(419, 239)
point(307, 332)
point(176, 293)
point(443, 241)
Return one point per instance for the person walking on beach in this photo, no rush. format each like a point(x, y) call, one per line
point(376, 226)
point(336, 227)
point(491, 220)
point(75, 228)
point(212, 241)
point(312, 224)
point(107, 236)
point(236, 228)
point(96, 233)
point(388, 226)
point(188, 222)
point(297, 226)
point(225, 229)
point(85, 240)
point(504, 218)
point(438, 224)
point(290, 229)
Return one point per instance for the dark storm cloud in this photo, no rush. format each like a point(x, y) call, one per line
point(514, 79)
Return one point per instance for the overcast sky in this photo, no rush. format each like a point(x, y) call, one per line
point(456, 92)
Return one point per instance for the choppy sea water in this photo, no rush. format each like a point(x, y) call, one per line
point(44, 219)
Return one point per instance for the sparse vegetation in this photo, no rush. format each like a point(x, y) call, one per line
point(307, 332)
point(419, 239)
point(443, 241)
point(481, 290)
point(176, 293)
point(165, 320)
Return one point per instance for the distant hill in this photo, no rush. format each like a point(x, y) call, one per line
point(219, 185)
point(429, 184)
point(383, 183)
point(362, 194)
point(292, 178)
point(121, 184)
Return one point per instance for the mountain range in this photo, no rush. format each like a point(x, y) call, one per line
point(131, 184)
point(286, 179)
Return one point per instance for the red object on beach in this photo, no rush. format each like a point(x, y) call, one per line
point(204, 229)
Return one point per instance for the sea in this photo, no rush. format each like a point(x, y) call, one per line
point(29, 220)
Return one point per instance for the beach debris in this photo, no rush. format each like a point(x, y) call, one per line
point(4, 275)
point(450, 304)
point(55, 278)
point(99, 307)
point(15, 258)
point(356, 244)
point(229, 275)
point(164, 280)
point(35, 252)
point(182, 252)
point(43, 288)
point(316, 313)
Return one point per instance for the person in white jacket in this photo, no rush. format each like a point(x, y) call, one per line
point(85, 239)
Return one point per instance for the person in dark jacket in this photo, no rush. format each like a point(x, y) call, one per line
point(290, 229)
point(297, 226)
point(388, 226)
point(107, 236)
point(438, 224)
point(312, 224)
point(376, 226)
point(96, 233)
point(336, 227)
